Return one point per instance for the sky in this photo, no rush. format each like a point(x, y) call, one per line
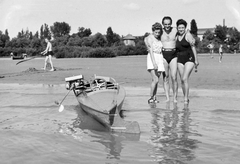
point(123, 16)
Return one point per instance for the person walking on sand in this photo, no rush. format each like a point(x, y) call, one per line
point(154, 59)
point(210, 46)
point(220, 53)
point(48, 52)
point(187, 57)
point(168, 40)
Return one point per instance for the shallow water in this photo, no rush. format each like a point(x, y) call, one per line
point(33, 131)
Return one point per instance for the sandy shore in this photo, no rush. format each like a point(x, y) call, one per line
point(129, 70)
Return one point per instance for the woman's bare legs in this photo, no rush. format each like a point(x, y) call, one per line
point(173, 69)
point(155, 78)
point(184, 72)
point(166, 81)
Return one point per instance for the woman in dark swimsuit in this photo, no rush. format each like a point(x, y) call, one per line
point(187, 56)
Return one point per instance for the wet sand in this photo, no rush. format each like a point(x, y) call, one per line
point(130, 70)
point(33, 131)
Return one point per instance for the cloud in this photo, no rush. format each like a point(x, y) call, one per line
point(132, 6)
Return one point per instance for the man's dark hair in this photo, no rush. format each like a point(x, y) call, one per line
point(165, 18)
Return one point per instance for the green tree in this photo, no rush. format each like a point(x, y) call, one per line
point(109, 36)
point(7, 35)
point(221, 32)
point(45, 32)
point(30, 35)
point(208, 35)
point(60, 29)
point(87, 41)
point(194, 28)
point(98, 40)
point(74, 41)
point(112, 37)
point(36, 35)
point(60, 41)
point(12, 43)
point(20, 34)
point(234, 36)
point(23, 42)
point(82, 32)
point(35, 43)
point(4, 38)
point(41, 32)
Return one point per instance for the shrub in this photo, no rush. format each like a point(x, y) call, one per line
point(101, 53)
point(123, 50)
point(32, 52)
point(83, 52)
point(5, 51)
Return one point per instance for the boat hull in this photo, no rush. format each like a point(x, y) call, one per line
point(103, 105)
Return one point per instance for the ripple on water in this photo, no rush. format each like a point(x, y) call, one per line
point(31, 126)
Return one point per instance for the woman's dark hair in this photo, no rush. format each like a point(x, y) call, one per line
point(166, 18)
point(181, 21)
point(156, 26)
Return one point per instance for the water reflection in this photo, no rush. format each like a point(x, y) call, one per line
point(113, 142)
point(171, 136)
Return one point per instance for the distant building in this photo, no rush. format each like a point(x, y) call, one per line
point(129, 40)
point(201, 31)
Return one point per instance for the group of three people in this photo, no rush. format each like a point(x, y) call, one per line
point(171, 50)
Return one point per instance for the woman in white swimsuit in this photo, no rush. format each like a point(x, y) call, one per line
point(154, 58)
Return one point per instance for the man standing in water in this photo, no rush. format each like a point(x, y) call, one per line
point(168, 40)
point(48, 52)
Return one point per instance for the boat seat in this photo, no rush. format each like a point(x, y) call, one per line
point(111, 85)
point(85, 86)
point(102, 77)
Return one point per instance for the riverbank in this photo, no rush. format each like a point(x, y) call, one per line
point(129, 70)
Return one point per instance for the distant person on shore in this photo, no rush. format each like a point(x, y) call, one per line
point(154, 59)
point(48, 52)
point(220, 53)
point(169, 52)
point(211, 46)
point(187, 56)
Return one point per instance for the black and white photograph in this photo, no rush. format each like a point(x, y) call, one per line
point(119, 81)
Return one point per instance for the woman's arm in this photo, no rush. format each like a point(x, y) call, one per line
point(190, 39)
point(149, 42)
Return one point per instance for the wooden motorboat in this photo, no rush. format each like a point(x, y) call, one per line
point(102, 98)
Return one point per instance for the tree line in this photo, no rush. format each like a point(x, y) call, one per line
point(84, 44)
point(228, 37)
point(80, 44)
